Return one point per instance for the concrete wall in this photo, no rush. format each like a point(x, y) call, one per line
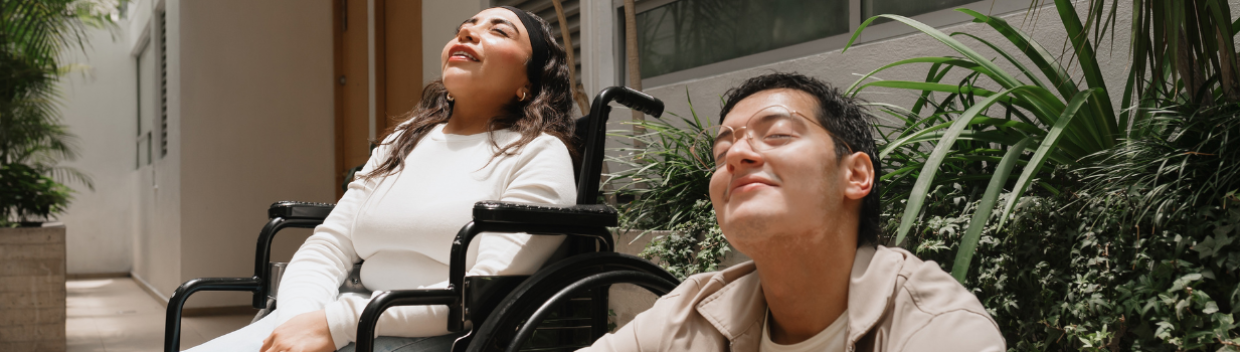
point(99, 109)
point(256, 122)
point(843, 68)
point(32, 289)
point(156, 196)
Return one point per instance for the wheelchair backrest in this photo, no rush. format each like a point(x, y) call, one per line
point(591, 132)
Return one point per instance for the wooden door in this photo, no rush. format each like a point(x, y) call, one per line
point(400, 60)
point(397, 67)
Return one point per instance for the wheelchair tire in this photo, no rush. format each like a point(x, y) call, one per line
point(499, 329)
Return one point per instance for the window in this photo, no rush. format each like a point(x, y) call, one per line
point(147, 95)
point(680, 40)
point(163, 86)
point(907, 8)
point(151, 142)
point(690, 33)
point(137, 155)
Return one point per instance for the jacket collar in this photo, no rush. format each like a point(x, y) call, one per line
point(870, 288)
point(737, 308)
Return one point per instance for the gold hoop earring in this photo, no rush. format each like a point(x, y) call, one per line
point(523, 96)
point(450, 97)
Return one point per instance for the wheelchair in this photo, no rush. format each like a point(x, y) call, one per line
point(564, 299)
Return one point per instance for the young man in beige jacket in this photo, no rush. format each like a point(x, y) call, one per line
point(794, 186)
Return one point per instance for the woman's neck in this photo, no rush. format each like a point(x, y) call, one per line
point(471, 117)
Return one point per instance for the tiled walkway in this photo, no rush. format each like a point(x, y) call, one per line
point(116, 315)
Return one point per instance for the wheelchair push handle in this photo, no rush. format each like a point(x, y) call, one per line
point(632, 98)
point(640, 101)
point(596, 130)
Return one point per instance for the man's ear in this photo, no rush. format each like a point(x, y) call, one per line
point(858, 175)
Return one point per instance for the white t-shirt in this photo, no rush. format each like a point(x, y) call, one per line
point(403, 227)
point(831, 339)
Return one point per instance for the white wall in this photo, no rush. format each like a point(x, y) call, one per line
point(99, 109)
point(250, 122)
point(598, 57)
point(256, 122)
point(157, 187)
point(138, 18)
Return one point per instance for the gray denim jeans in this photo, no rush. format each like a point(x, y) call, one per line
point(410, 344)
point(250, 338)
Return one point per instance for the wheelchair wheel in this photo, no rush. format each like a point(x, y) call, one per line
point(547, 293)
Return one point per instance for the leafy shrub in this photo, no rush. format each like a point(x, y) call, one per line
point(1190, 156)
point(1143, 256)
point(27, 195)
point(1069, 275)
point(670, 191)
point(696, 245)
point(995, 116)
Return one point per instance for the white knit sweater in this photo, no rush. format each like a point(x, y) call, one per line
point(403, 227)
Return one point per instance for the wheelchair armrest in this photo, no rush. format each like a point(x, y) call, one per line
point(384, 300)
point(545, 214)
point(172, 319)
point(300, 210)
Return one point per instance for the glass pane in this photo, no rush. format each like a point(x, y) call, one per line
point(691, 33)
point(148, 97)
point(907, 8)
point(148, 94)
point(144, 151)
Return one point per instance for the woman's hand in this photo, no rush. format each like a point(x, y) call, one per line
point(304, 333)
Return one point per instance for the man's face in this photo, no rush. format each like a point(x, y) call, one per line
point(795, 187)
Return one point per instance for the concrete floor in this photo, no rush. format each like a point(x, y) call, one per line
point(116, 315)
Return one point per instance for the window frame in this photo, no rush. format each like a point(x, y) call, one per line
point(162, 83)
point(141, 138)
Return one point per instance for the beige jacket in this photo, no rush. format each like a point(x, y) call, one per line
point(896, 302)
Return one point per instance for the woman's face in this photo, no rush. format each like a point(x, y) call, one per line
point(487, 57)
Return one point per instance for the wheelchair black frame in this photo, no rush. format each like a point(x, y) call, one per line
point(488, 217)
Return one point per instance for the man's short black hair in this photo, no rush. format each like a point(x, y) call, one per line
point(849, 123)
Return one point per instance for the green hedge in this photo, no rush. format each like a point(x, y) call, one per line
point(1141, 254)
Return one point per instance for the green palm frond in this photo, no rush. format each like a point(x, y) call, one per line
point(33, 36)
point(978, 135)
point(971, 134)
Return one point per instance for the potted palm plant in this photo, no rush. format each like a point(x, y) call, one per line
point(33, 142)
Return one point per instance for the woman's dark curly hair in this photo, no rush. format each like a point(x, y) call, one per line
point(547, 111)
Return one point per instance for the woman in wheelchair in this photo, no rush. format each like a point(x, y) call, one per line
point(496, 126)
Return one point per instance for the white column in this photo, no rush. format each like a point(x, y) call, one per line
point(598, 40)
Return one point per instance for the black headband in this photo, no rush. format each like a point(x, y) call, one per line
point(538, 59)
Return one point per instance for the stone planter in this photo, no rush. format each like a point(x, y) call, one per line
point(32, 289)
